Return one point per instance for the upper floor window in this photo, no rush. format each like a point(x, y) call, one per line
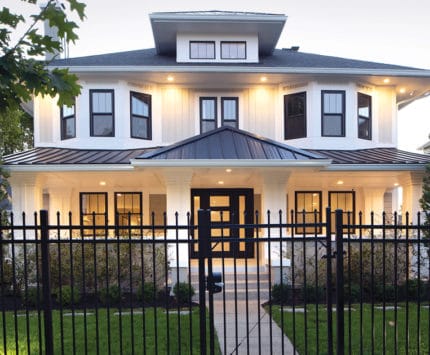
point(229, 111)
point(202, 50)
point(308, 211)
point(140, 115)
point(68, 121)
point(209, 112)
point(364, 107)
point(295, 115)
point(128, 211)
point(102, 113)
point(233, 50)
point(93, 208)
point(333, 113)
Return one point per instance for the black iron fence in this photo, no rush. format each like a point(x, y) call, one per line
point(308, 288)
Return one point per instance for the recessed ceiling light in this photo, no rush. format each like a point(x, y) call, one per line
point(263, 79)
point(386, 81)
point(102, 183)
point(396, 184)
point(339, 182)
point(228, 170)
point(402, 90)
point(220, 182)
point(170, 78)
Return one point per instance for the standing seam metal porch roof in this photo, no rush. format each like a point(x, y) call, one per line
point(229, 143)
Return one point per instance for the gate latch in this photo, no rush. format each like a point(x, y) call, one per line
point(214, 284)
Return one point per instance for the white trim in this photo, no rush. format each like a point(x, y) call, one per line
point(229, 162)
point(376, 167)
point(69, 167)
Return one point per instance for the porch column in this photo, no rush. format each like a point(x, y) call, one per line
point(178, 201)
point(373, 202)
point(27, 198)
point(274, 199)
point(58, 200)
point(412, 192)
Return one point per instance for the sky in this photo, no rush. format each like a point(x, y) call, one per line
point(387, 31)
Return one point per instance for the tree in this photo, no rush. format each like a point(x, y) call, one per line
point(22, 73)
point(425, 201)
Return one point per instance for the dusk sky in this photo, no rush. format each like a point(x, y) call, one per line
point(384, 31)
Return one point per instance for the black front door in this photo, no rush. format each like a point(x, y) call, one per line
point(229, 209)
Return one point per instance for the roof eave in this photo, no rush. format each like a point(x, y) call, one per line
point(67, 167)
point(376, 167)
point(229, 163)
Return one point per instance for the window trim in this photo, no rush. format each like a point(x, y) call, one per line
point(369, 119)
point(230, 98)
point(63, 120)
point(201, 99)
point(93, 114)
point(140, 95)
point(286, 97)
point(233, 42)
point(342, 92)
point(206, 42)
point(318, 229)
point(85, 228)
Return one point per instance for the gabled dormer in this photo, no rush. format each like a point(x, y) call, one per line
point(216, 36)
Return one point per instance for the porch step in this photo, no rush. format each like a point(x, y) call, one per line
point(252, 285)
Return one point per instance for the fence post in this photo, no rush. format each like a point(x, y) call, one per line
point(329, 286)
point(339, 285)
point(204, 248)
point(46, 283)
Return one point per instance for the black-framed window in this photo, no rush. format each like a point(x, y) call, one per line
point(140, 115)
point(343, 200)
point(295, 115)
point(128, 211)
point(308, 205)
point(102, 113)
point(364, 112)
point(229, 111)
point(333, 113)
point(202, 50)
point(68, 121)
point(208, 113)
point(233, 50)
point(93, 212)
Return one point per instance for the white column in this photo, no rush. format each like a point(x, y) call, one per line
point(373, 202)
point(412, 192)
point(26, 197)
point(274, 199)
point(178, 202)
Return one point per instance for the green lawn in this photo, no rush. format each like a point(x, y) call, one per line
point(400, 331)
point(150, 337)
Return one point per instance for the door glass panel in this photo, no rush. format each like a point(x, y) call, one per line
point(220, 216)
point(196, 217)
point(219, 201)
point(223, 246)
point(242, 233)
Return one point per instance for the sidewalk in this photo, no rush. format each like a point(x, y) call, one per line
point(235, 335)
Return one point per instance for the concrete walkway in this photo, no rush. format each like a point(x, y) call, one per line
point(228, 331)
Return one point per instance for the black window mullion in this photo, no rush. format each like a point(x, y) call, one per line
point(95, 114)
point(234, 122)
point(326, 115)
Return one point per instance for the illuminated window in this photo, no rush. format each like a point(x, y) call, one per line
point(308, 211)
point(93, 208)
point(128, 212)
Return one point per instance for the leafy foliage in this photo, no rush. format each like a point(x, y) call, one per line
point(16, 131)
point(22, 73)
point(425, 201)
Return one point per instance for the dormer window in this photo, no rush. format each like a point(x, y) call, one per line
point(233, 50)
point(202, 50)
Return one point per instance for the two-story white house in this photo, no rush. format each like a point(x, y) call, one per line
point(216, 117)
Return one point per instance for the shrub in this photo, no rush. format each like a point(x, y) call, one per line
point(66, 296)
point(313, 294)
point(31, 297)
point(147, 292)
point(110, 295)
point(281, 293)
point(413, 290)
point(183, 292)
point(352, 293)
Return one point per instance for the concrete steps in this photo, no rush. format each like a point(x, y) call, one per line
point(242, 286)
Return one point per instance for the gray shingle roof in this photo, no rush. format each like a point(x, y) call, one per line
point(281, 58)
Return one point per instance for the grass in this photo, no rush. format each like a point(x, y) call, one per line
point(392, 332)
point(151, 332)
